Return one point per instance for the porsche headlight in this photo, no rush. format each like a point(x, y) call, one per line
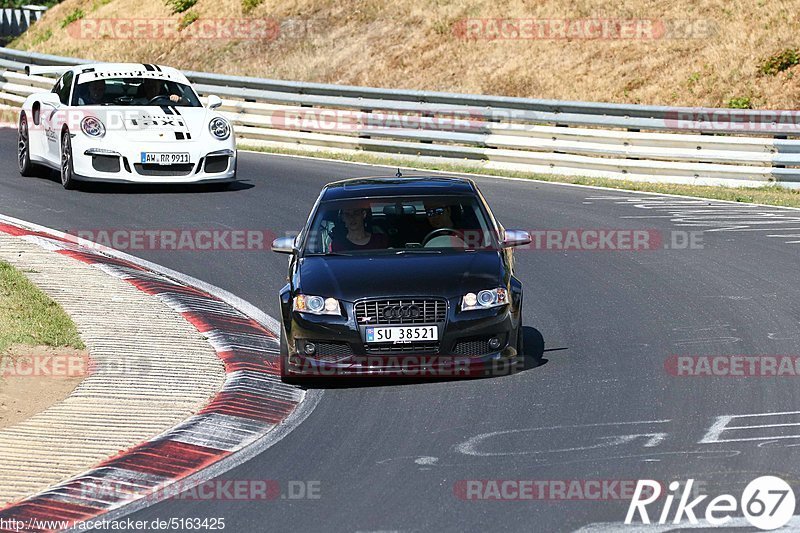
point(484, 299)
point(92, 127)
point(219, 128)
point(316, 305)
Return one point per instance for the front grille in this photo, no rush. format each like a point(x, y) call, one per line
point(216, 164)
point(472, 347)
point(105, 163)
point(332, 352)
point(180, 169)
point(401, 348)
point(428, 311)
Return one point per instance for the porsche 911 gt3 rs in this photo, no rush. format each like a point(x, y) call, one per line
point(125, 122)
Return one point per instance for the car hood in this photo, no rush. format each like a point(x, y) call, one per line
point(154, 123)
point(440, 275)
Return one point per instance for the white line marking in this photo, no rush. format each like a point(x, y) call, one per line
point(713, 434)
point(469, 446)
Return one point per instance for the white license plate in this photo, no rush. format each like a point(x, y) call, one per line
point(403, 334)
point(164, 158)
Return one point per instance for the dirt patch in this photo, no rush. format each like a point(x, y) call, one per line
point(34, 378)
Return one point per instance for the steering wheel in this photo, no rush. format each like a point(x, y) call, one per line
point(440, 232)
point(155, 99)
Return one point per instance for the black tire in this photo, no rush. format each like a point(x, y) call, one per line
point(26, 168)
point(284, 351)
point(520, 348)
point(67, 169)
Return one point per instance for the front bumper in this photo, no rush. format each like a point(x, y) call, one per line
point(463, 349)
point(102, 161)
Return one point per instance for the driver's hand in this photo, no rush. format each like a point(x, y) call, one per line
point(174, 98)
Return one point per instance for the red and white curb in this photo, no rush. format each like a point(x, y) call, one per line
point(253, 410)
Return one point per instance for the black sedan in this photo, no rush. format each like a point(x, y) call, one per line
point(406, 276)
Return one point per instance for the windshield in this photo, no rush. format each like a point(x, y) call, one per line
point(400, 224)
point(134, 92)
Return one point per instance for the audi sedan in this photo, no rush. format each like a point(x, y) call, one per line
point(405, 276)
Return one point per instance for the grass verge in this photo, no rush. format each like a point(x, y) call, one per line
point(29, 317)
point(768, 195)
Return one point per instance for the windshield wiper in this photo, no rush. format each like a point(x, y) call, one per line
point(417, 251)
point(327, 254)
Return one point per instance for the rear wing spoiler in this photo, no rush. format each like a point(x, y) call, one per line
point(48, 69)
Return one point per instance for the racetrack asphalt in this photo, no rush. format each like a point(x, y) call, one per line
point(599, 405)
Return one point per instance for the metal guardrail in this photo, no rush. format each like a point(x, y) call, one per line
point(695, 145)
point(14, 22)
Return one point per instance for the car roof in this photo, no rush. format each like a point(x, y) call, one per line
point(398, 186)
point(131, 70)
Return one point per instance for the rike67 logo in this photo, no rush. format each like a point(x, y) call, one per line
point(767, 503)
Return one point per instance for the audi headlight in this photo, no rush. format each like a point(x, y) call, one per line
point(484, 299)
point(219, 128)
point(92, 127)
point(316, 305)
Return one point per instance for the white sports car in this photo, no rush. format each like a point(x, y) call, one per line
point(125, 122)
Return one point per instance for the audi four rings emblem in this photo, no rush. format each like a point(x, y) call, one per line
point(392, 312)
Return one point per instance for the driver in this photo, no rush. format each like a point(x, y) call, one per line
point(440, 217)
point(151, 88)
point(93, 93)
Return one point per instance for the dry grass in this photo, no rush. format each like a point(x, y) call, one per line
point(415, 44)
point(32, 326)
point(29, 317)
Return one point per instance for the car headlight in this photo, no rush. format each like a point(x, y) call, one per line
point(316, 305)
point(484, 299)
point(92, 127)
point(219, 128)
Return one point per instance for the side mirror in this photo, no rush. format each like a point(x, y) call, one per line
point(515, 237)
point(283, 245)
point(49, 98)
point(214, 101)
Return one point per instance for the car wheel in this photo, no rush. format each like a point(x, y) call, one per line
point(520, 364)
point(26, 168)
point(67, 172)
